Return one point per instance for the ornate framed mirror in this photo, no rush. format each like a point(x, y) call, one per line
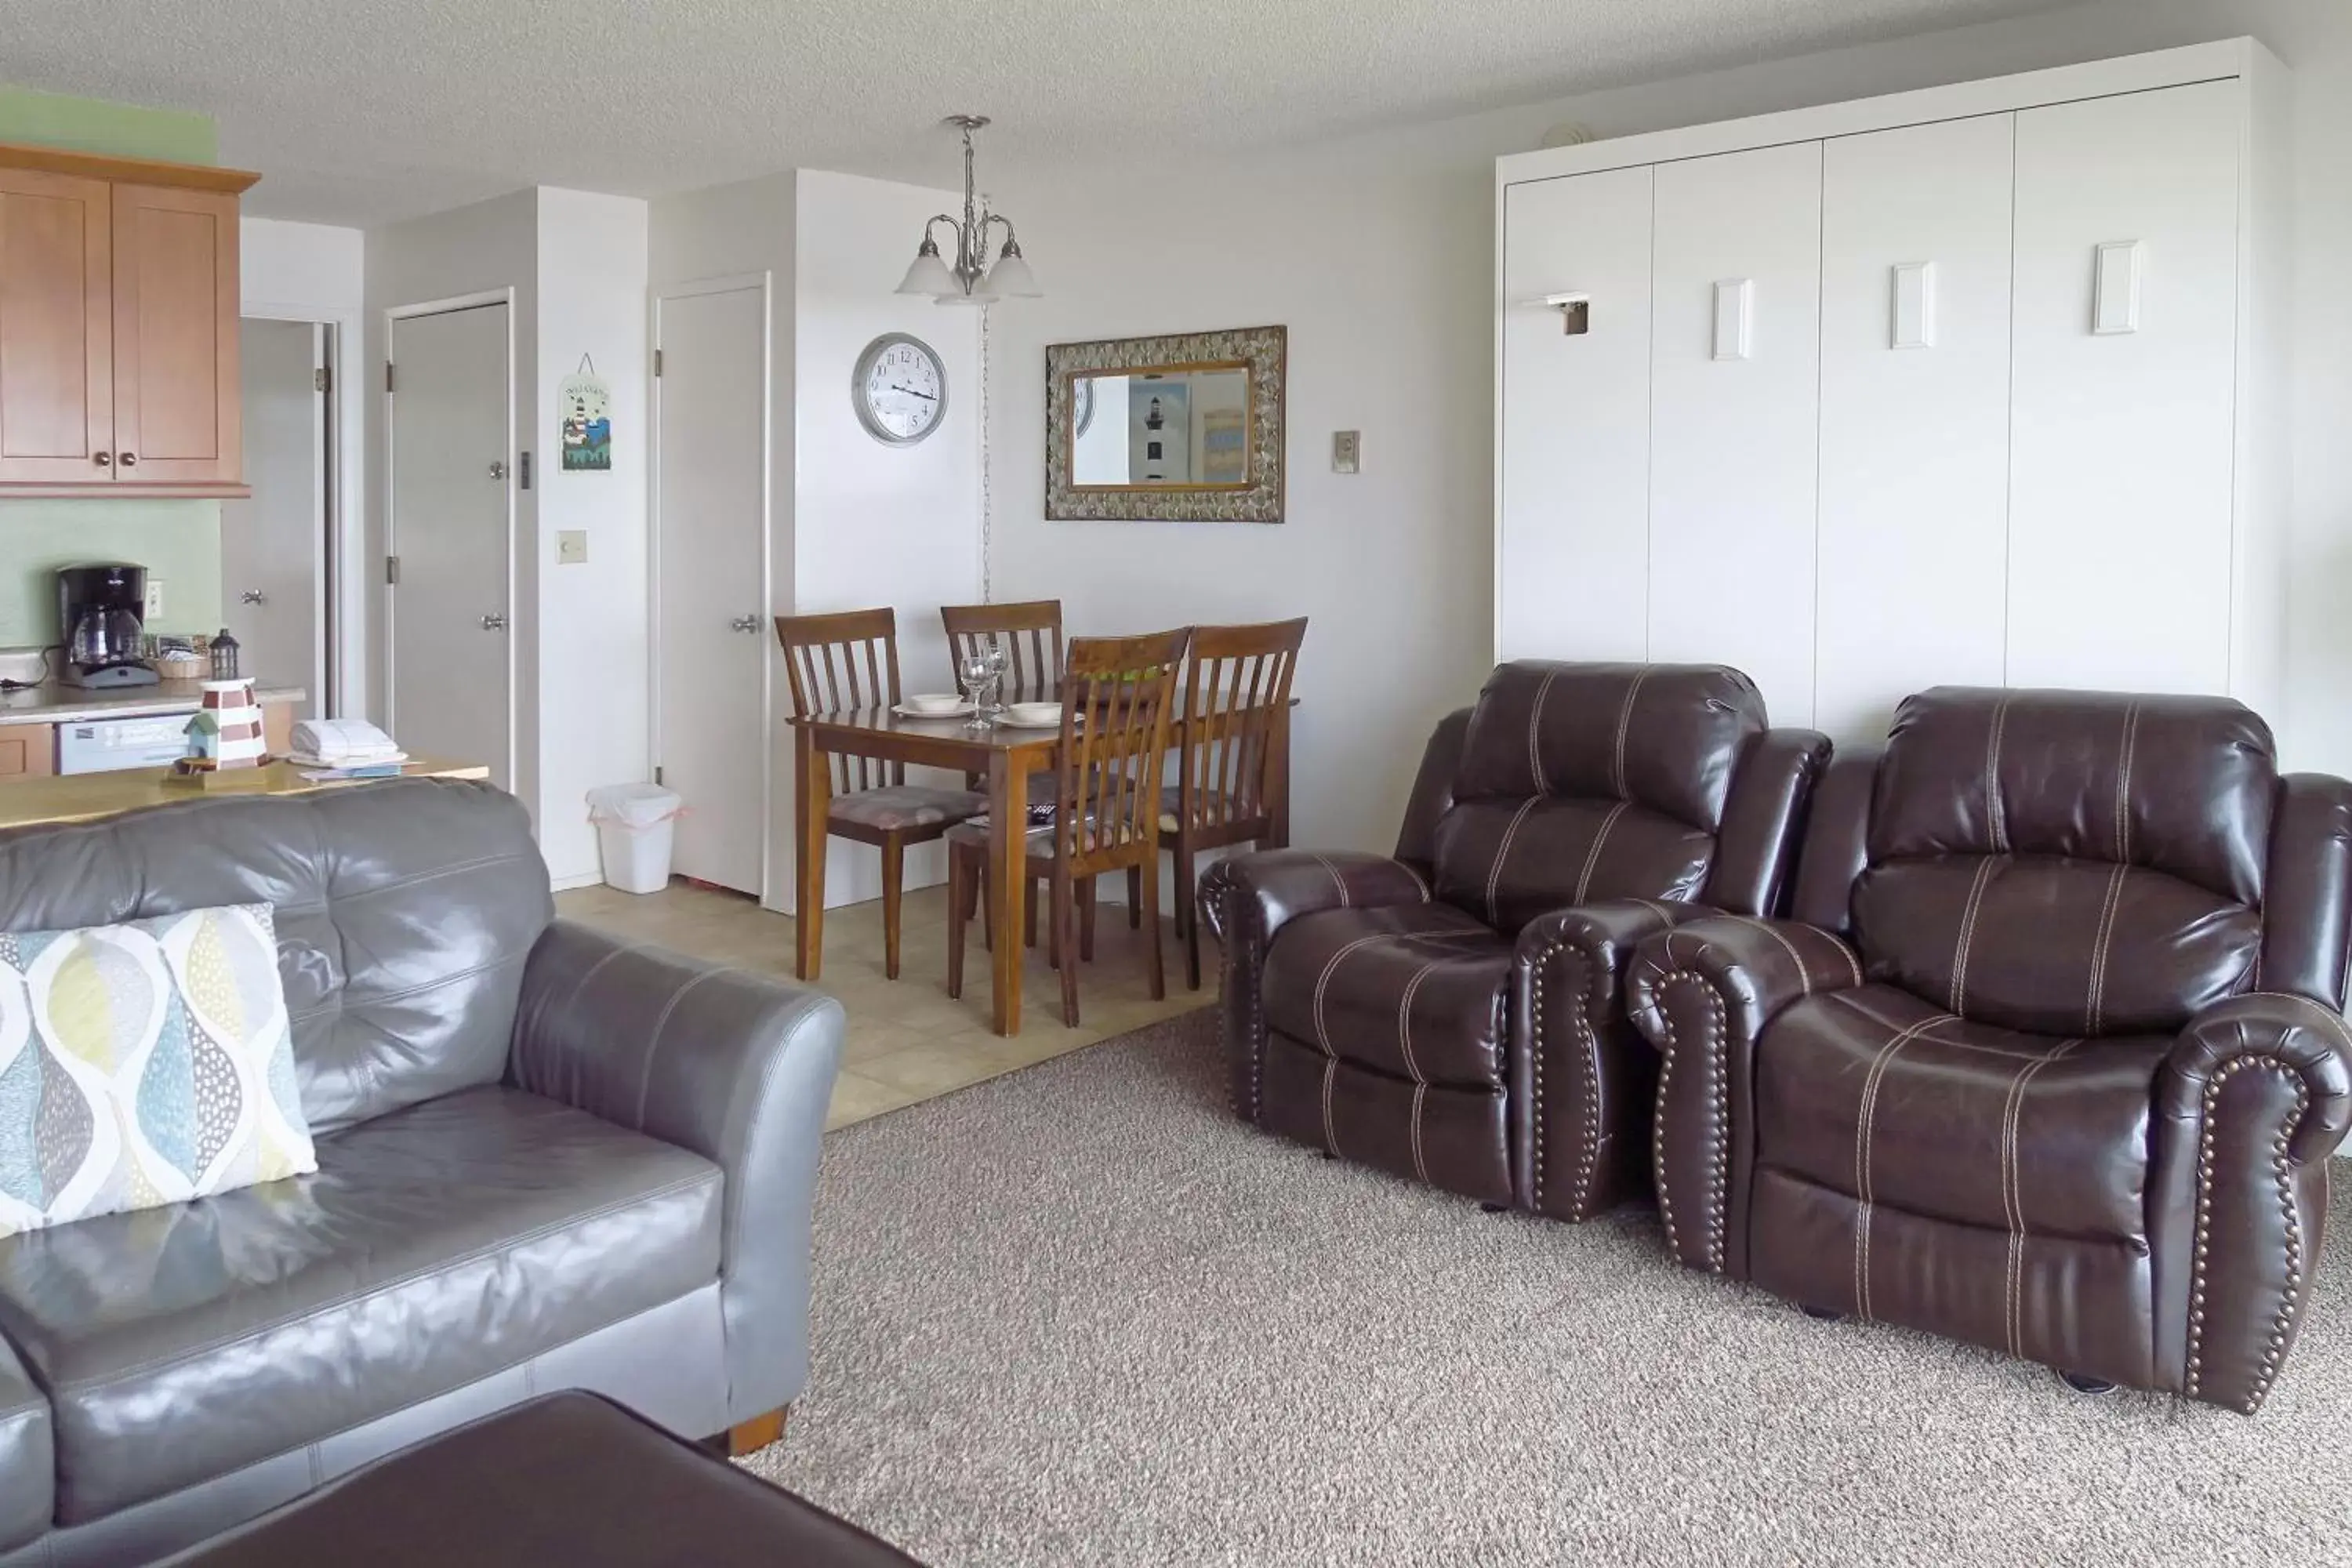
point(1181, 429)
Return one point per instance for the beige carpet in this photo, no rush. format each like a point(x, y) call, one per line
point(1080, 1315)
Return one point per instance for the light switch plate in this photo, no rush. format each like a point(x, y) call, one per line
point(1347, 451)
point(154, 608)
point(1915, 305)
point(1735, 317)
point(2115, 288)
point(570, 546)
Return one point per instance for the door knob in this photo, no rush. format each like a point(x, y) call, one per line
point(253, 596)
point(746, 624)
point(494, 623)
point(103, 460)
point(498, 469)
point(129, 459)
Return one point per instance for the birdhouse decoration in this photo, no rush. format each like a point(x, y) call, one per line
point(226, 730)
point(587, 405)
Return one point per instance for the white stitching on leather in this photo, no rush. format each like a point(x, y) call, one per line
point(1502, 853)
point(2095, 1005)
point(1405, 1025)
point(1323, 984)
point(1419, 1166)
point(1804, 975)
point(1338, 880)
point(1968, 933)
point(1996, 818)
point(1535, 733)
point(2123, 783)
point(2012, 1199)
point(1625, 727)
point(1330, 1129)
point(1865, 1124)
point(1593, 856)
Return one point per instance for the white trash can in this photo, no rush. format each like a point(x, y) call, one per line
point(634, 826)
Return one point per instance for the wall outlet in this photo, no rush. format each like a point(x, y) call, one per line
point(1346, 449)
point(154, 610)
point(570, 546)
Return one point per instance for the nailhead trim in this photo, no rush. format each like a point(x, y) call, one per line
point(1720, 1177)
point(2274, 1351)
point(1588, 1150)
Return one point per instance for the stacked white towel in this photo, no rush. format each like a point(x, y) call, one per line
point(343, 743)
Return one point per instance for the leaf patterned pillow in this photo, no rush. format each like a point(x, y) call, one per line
point(144, 1064)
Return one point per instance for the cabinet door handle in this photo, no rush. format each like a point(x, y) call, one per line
point(494, 623)
point(253, 596)
point(130, 459)
point(103, 460)
point(745, 623)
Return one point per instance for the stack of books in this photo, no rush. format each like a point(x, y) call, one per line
point(331, 749)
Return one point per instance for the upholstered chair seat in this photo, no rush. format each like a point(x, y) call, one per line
point(1451, 1013)
point(2051, 1058)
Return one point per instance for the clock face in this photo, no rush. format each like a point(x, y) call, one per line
point(900, 389)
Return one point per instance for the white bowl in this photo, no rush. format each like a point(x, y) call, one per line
point(937, 702)
point(1034, 713)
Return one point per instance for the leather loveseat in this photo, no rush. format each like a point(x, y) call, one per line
point(2051, 1058)
point(546, 1160)
point(1453, 1013)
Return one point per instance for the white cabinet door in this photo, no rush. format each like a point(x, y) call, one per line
point(2121, 437)
point(1735, 432)
point(1574, 552)
point(1915, 417)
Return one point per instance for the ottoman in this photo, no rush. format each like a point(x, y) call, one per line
point(569, 1478)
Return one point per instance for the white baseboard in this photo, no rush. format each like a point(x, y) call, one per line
point(585, 879)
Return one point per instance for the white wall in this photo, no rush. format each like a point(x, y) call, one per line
point(593, 615)
point(1377, 252)
point(874, 524)
point(316, 272)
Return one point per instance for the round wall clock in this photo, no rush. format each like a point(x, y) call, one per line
point(899, 389)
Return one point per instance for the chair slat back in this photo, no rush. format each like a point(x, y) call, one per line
point(1234, 696)
point(1031, 636)
point(1118, 694)
point(840, 663)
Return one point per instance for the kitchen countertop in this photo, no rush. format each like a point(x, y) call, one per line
point(82, 797)
point(53, 704)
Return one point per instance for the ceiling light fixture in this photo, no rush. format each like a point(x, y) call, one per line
point(972, 280)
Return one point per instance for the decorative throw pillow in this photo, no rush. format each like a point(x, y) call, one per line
point(144, 1064)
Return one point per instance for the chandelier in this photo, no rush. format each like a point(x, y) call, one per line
point(972, 280)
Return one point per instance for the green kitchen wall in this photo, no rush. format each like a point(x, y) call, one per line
point(177, 541)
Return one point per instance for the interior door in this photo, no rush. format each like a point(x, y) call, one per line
point(272, 544)
point(176, 337)
point(1735, 390)
point(57, 329)
point(711, 655)
point(452, 680)
point(1915, 417)
point(1576, 419)
point(2123, 430)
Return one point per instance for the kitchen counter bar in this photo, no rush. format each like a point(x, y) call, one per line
point(53, 704)
point(85, 796)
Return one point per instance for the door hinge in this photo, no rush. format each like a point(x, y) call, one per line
point(387, 375)
point(657, 775)
point(392, 570)
point(322, 379)
point(657, 362)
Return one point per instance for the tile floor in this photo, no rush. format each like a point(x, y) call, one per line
point(906, 1040)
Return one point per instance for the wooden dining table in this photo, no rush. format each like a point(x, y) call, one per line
point(1006, 755)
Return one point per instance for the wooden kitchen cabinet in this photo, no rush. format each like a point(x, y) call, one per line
point(118, 308)
point(27, 751)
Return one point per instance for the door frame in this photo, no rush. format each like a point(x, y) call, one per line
point(393, 316)
point(738, 283)
point(339, 600)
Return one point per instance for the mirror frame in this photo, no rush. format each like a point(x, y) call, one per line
point(1261, 351)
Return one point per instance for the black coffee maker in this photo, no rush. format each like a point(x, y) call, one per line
point(99, 611)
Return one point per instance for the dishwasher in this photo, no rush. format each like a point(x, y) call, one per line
point(109, 745)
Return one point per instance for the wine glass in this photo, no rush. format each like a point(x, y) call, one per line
point(973, 671)
point(994, 653)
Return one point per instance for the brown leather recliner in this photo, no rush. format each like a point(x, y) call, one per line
point(2051, 1058)
point(1453, 1013)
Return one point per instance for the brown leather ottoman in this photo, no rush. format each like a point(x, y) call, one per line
point(567, 1478)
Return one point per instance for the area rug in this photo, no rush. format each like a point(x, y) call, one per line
point(1081, 1315)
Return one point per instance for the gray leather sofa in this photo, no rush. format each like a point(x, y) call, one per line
point(546, 1160)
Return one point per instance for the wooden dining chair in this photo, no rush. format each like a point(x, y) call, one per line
point(840, 663)
point(1233, 764)
point(1118, 694)
point(1031, 634)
